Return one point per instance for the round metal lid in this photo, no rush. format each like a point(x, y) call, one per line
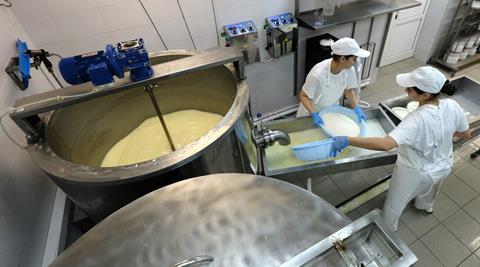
point(238, 219)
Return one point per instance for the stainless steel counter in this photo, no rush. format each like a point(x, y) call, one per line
point(355, 11)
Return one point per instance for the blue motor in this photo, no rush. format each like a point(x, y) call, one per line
point(100, 67)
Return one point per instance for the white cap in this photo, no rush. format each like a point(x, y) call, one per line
point(428, 79)
point(347, 46)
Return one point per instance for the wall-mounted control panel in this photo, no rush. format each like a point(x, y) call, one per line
point(282, 34)
point(239, 29)
point(243, 35)
point(279, 20)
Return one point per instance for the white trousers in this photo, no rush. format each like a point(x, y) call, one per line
point(406, 184)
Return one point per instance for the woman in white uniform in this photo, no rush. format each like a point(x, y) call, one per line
point(331, 79)
point(424, 143)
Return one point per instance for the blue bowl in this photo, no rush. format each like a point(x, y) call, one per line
point(313, 151)
point(345, 111)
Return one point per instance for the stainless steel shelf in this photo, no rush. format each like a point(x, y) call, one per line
point(354, 11)
point(460, 65)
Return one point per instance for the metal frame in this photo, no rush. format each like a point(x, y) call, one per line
point(372, 220)
point(26, 111)
point(332, 166)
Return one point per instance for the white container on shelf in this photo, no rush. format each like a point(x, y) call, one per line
point(472, 51)
point(458, 45)
point(464, 54)
point(470, 43)
point(476, 4)
point(453, 58)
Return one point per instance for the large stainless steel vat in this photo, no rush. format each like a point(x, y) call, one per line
point(78, 136)
point(239, 220)
point(235, 220)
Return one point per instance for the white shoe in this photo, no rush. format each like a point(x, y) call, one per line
point(429, 211)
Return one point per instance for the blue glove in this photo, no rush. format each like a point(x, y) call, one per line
point(340, 143)
point(360, 114)
point(317, 120)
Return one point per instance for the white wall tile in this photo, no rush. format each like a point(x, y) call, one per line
point(78, 24)
point(91, 43)
point(147, 32)
point(164, 10)
point(28, 9)
point(123, 16)
point(112, 2)
point(223, 5)
point(232, 16)
point(36, 29)
point(67, 6)
point(7, 19)
point(201, 25)
point(196, 7)
point(173, 31)
point(181, 44)
point(206, 42)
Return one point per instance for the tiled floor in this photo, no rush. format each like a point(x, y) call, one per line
point(449, 237)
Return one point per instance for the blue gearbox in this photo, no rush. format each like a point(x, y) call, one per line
point(100, 67)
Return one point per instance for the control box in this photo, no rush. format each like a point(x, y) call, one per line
point(243, 35)
point(282, 34)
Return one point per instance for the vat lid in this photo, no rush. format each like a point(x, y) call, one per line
point(238, 219)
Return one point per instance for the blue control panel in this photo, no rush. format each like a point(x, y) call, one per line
point(279, 20)
point(241, 28)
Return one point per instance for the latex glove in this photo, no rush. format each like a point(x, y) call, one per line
point(360, 114)
point(317, 120)
point(340, 143)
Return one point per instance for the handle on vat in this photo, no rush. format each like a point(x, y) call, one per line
point(195, 261)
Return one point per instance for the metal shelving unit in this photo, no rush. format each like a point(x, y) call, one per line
point(463, 32)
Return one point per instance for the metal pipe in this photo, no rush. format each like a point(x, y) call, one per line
point(149, 90)
point(267, 137)
point(280, 136)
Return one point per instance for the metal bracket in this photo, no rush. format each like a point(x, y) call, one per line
point(366, 225)
point(27, 108)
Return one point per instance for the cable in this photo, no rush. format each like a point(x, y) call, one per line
point(153, 24)
point(8, 3)
point(186, 24)
point(216, 24)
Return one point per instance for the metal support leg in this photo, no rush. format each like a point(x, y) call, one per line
point(309, 184)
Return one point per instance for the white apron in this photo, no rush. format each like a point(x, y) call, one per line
point(409, 183)
point(327, 93)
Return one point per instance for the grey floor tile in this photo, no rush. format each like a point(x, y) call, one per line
point(387, 81)
point(350, 183)
point(376, 203)
point(418, 221)
point(353, 215)
point(329, 191)
point(444, 207)
point(477, 253)
point(413, 61)
point(409, 68)
point(390, 69)
point(475, 162)
point(473, 209)
point(466, 150)
point(457, 190)
point(373, 175)
point(424, 256)
point(472, 261)
point(445, 246)
point(458, 162)
point(465, 228)
point(405, 234)
point(401, 64)
point(319, 179)
point(470, 175)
